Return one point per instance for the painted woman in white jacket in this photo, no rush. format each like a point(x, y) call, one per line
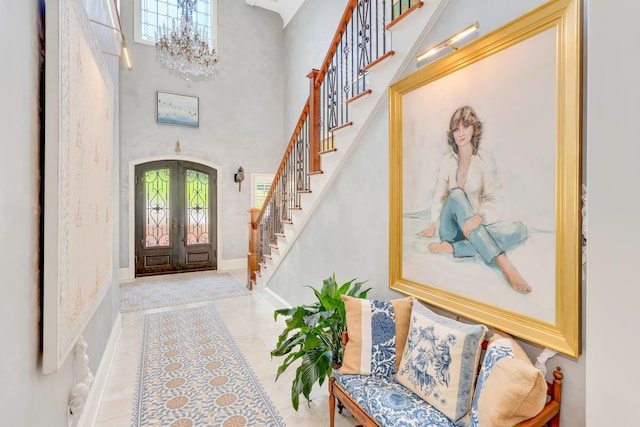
point(467, 208)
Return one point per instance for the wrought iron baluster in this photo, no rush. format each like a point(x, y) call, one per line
point(266, 250)
point(293, 173)
point(332, 97)
point(300, 168)
point(344, 67)
point(307, 153)
point(261, 233)
point(363, 42)
point(354, 53)
point(282, 200)
point(371, 30)
point(340, 82)
point(356, 49)
point(384, 26)
point(274, 225)
point(324, 108)
point(376, 29)
point(348, 67)
point(292, 188)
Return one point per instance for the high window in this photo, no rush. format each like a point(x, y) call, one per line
point(151, 16)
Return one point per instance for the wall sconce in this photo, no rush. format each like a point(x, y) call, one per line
point(448, 43)
point(123, 43)
point(125, 51)
point(239, 177)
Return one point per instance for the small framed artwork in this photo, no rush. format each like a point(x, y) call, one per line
point(485, 179)
point(174, 109)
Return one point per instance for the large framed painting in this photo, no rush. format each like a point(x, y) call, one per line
point(78, 180)
point(485, 179)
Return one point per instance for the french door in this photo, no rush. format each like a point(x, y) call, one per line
point(175, 217)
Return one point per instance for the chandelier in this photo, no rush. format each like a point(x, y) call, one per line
point(186, 49)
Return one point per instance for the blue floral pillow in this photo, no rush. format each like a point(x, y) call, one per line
point(440, 361)
point(372, 326)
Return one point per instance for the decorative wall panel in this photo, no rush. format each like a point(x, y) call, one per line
point(78, 180)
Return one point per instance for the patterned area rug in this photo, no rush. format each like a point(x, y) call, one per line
point(192, 373)
point(178, 289)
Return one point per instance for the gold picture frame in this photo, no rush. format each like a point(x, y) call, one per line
point(523, 82)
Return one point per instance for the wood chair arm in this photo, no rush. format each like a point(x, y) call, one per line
point(551, 411)
point(345, 338)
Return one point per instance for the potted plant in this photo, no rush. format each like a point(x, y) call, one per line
point(313, 335)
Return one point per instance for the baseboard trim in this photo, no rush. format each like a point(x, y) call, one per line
point(232, 264)
point(273, 299)
point(90, 413)
point(127, 273)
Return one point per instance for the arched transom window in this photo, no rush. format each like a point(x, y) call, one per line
point(151, 16)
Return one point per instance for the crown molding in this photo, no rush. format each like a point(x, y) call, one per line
point(286, 8)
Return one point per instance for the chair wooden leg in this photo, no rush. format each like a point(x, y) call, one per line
point(332, 402)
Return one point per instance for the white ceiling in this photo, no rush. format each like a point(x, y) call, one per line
point(286, 8)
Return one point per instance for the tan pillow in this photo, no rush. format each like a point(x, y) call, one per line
point(510, 389)
point(377, 335)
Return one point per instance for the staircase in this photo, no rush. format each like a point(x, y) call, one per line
point(333, 121)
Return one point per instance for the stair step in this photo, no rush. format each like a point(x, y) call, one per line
point(379, 60)
point(358, 96)
point(406, 13)
point(273, 246)
point(280, 235)
point(330, 150)
point(337, 128)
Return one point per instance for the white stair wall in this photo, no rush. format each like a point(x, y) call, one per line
point(407, 37)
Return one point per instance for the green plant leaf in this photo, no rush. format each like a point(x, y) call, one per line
point(289, 360)
point(345, 287)
point(284, 312)
point(288, 345)
point(313, 336)
point(316, 367)
point(353, 292)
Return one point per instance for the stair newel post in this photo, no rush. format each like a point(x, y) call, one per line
point(252, 257)
point(314, 122)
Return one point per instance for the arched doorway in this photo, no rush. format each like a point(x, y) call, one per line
point(175, 217)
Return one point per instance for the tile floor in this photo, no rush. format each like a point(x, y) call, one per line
point(250, 321)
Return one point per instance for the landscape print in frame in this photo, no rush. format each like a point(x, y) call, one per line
point(485, 179)
point(174, 109)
